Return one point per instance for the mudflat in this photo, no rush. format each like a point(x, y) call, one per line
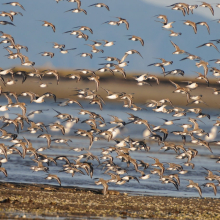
point(18, 200)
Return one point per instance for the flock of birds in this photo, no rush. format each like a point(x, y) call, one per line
point(122, 148)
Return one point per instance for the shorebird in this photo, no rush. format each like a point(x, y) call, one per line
point(210, 176)
point(4, 171)
point(121, 21)
point(178, 50)
point(77, 10)
point(14, 4)
point(204, 64)
point(129, 52)
point(65, 51)
point(136, 38)
point(30, 148)
point(104, 184)
point(203, 23)
point(15, 13)
point(74, 32)
point(6, 22)
point(96, 101)
point(216, 72)
point(120, 70)
point(158, 164)
point(48, 24)
point(100, 5)
point(169, 179)
point(37, 112)
point(192, 7)
point(169, 122)
point(84, 28)
point(85, 55)
point(207, 5)
point(94, 49)
point(96, 43)
point(111, 59)
point(174, 34)
point(165, 62)
point(69, 101)
point(161, 65)
point(209, 44)
point(82, 35)
point(111, 23)
point(191, 85)
point(106, 69)
point(4, 14)
point(195, 185)
point(47, 54)
point(182, 90)
point(163, 17)
point(53, 72)
point(211, 185)
point(39, 166)
point(62, 115)
point(52, 176)
point(111, 95)
point(174, 72)
point(85, 71)
point(180, 8)
point(25, 61)
point(141, 79)
point(191, 23)
point(117, 121)
point(18, 47)
point(201, 142)
point(191, 57)
point(168, 25)
point(8, 36)
point(143, 164)
point(62, 141)
point(58, 126)
point(58, 46)
point(5, 41)
point(96, 79)
point(128, 178)
point(77, 1)
point(216, 60)
point(48, 137)
point(218, 20)
point(215, 90)
point(89, 135)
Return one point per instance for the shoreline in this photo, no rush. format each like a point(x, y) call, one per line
point(46, 200)
point(67, 89)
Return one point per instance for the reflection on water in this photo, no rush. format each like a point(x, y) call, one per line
point(19, 169)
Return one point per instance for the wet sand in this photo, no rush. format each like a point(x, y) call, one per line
point(41, 201)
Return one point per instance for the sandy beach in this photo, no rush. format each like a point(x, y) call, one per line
point(39, 201)
point(141, 94)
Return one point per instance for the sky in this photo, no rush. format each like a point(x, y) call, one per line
point(199, 11)
point(28, 31)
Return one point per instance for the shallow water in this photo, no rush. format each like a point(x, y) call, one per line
point(19, 169)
